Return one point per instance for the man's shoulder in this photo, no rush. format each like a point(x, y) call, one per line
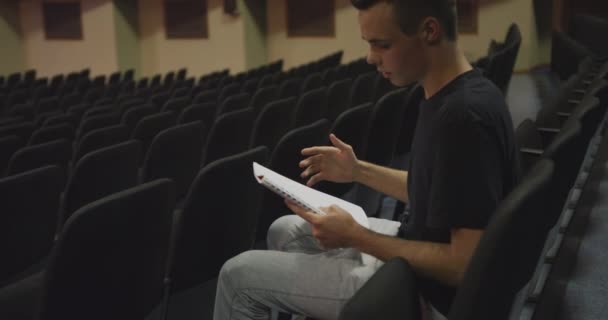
point(475, 99)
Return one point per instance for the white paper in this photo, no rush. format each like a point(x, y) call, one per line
point(305, 196)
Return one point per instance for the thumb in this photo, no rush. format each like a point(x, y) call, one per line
point(337, 142)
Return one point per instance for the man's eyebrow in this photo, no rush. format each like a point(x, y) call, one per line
point(376, 41)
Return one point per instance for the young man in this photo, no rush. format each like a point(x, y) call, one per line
point(462, 164)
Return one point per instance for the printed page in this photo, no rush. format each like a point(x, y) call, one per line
point(305, 196)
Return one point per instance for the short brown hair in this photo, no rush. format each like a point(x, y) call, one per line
point(410, 13)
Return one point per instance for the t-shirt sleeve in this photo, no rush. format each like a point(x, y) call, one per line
point(467, 177)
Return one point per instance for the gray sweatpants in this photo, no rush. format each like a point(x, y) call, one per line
point(295, 275)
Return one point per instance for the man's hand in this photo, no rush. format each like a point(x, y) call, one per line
point(336, 164)
point(335, 229)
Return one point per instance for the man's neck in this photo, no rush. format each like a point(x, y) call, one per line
point(447, 63)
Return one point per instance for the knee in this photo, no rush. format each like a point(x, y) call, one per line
point(281, 231)
point(235, 271)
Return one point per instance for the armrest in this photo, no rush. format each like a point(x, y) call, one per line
point(554, 249)
point(390, 294)
point(563, 117)
point(547, 134)
point(538, 282)
point(530, 151)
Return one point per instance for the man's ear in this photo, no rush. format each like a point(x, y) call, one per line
point(430, 30)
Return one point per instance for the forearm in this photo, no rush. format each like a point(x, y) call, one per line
point(389, 181)
point(434, 260)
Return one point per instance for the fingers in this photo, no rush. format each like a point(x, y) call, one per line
point(337, 142)
point(310, 161)
point(317, 150)
point(309, 172)
point(333, 209)
point(312, 168)
point(315, 179)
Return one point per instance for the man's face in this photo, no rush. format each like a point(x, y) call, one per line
point(399, 57)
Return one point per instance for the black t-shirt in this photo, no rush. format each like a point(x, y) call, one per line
point(463, 163)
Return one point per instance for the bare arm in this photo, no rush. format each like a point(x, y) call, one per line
point(391, 182)
point(446, 263)
point(338, 163)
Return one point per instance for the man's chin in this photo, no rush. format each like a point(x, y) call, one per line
point(399, 82)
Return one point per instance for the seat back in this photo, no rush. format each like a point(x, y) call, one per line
point(229, 135)
point(132, 116)
point(48, 105)
point(262, 97)
point(285, 159)
point(159, 99)
point(204, 112)
point(50, 133)
point(182, 92)
point(129, 102)
point(101, 138)
point(250, 86)
point(176, 104)
point(527, 136)
point(70, 119)
point(362, 90)
point(29, 204)
point(93, 94)
point(71, 99)
point(100, 173)
point(266, 81)
point(290, 88)
point(547, 115)
point(206, 96)
point(270, 124)
point(234, 103)
point(382, 86)
point(590, 114)
point(175, 153)
point(385, 124)
point(352, 128)
point(22, 130)
point(114, 78)
point(502, 63)
point(223, 192)
point(58, 152)
point(227, 91)
point(391, 294)
point(96, 122)
point(383, 132)
point(584, 27)
point(336, 102)
point(25, 110)
point(148, 127)
point(508, 251)
point(567, 151)
point(312, 82)
point(8, 146)
point(169, 78)
point(111, 258)
point(16, 97)
point(566, 54)
point(310, 107)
